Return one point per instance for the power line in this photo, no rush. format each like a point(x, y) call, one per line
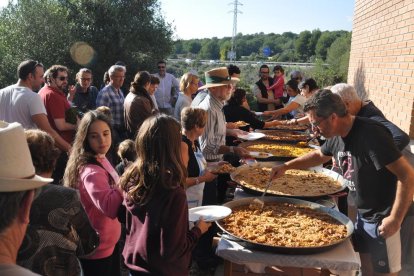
point(232, 54)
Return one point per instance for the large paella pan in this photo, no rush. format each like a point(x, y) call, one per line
point(286, 225)
point(314, 182)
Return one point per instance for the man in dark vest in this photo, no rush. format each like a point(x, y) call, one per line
point(265, 98)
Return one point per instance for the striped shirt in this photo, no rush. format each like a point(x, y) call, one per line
point(214, 135)
point(109, 97)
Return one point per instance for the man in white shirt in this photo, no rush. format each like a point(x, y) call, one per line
point(20, 104)
point(167, 91)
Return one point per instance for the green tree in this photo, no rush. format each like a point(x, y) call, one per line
point(193, 47)
point(47, 29)
point(178, 47)
point(224, 49)
point(210, 50)
point(323, 44)
point(338, 57)
point(302, 46)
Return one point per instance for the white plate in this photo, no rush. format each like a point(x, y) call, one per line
point(252, 136)
point(258, 154)
point(258, 113)
point(209, 213)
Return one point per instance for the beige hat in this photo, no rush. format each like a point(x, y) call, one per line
point(17, 172)
point(218, 77)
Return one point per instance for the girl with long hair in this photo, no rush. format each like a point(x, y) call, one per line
point(158, 240)
point(90, 172)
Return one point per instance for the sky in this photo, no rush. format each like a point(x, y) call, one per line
point(214, 18)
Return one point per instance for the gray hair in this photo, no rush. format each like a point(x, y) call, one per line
point(346, 91)
point(324, 103)
point(116, 68)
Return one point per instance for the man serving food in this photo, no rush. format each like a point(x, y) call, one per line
point(380, 179)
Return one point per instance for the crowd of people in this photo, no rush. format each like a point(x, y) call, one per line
point(126, 166)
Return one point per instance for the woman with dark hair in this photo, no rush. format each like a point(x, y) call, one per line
point(294, 107)
point(308, 87)
point(90, 172)
point(138, 104)
point(235, 111)
point(158, 240)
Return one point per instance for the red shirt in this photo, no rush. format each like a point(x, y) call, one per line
point(56, 105)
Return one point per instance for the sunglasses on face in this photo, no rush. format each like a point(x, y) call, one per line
point(62, 78)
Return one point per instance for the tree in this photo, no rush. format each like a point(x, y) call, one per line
point(178, 47)
point(47, 30)
point(316, 34)
point(225, 48)
point(324, 42)
point(210, 50)
point(338, 57)
point(193, 47)
point(302, 46)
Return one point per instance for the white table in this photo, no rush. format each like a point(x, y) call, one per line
point(341, 260)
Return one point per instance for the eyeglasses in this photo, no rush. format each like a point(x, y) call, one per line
point(161, 67)
point(62, 78)
point(316, 124)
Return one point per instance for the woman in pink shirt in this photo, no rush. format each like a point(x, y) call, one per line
point(90, 172)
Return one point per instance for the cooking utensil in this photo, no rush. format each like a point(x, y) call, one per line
point(260, 202)
point(290, 250)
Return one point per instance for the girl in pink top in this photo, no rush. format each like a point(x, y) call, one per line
point(90, 172)
point(278, 81)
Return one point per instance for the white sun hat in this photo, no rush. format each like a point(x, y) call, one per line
point(17, 172)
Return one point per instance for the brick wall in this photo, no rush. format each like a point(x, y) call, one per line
point(381, 64)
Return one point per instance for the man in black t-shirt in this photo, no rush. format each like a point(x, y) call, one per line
point(367, 109)
point(379, 178)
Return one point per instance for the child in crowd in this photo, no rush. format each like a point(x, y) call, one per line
point(106, 111)
point(158, 240)
point(127, 153)
point(89, 171)
point(278, 81)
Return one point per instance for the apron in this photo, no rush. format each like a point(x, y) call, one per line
point(195, 193)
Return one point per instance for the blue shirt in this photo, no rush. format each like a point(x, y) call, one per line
point(113, 99)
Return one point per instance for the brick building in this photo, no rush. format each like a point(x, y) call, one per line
point(381, 63)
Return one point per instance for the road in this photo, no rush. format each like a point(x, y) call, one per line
point(252, 63)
